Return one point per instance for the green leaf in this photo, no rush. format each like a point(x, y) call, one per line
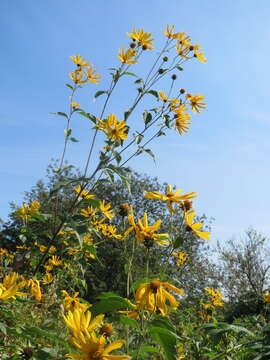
point(121, 172)
point(43, 334)
point(98, 93)
point(60, 114)
point(164, 323)
point(93, 202)
point(167, 120)
point(73, 139)
point(90, 248)
point(109, 304)
point(126, 114)
point(88, 116)
point(129, 73)
point(150, 152)
point(154, 93)
point(166, 339)
point(3, 328)
point(178, 67)
point(39, 217)
point(110, 175)
point(178, 242)
point(128, 321)
point(138, 138)
point(139, 81)
point(137, 283)
point(117, 156)
point(69, 86)
point(148, 348)
point(147, 117)
point(161, 133)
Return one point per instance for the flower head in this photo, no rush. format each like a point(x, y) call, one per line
point(114, 129)
point(198, 54)
point(127, 57)
point(106, 209)
point(85, 340)
point(195, 102)
point(153, 296)
point(182, 119)
point(34, 287)
point(191, 226)
point(147, 233)
point(142, 37)
point(79, 61)
point(181, 257)
point(266, 297)
point(170, 196)
point(85, 194)
point(169, 32)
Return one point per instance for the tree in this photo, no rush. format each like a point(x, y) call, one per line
point(245, 272)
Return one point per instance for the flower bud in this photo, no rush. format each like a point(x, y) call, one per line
point(174, 76)
point(107, 329)
point(165, 58)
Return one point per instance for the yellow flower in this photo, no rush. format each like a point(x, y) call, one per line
point(195, 102)
point(85, 194)
point(189, 218)
point(106, 210)
point(110, 231)
point(93, 348)
point(79, 320)
point(169, 32)
point(170, 196)
point(10, 292)
point(142, 37)
point(72, 302)
point(127, 57)
point(10, 280)
point(153, 296)
point(182, 120)
point(55, 261)
point(4, 252)
point(266, 297)
point(84, 75)
point(147, 233)
point(91, 75)
point(77, 76)
point(34, 287)
point(181, 257)
point(183, 45)
point(198, 54)
point(47, 278)
point(26, 210)
point(87, 239)
point(114, 129)
point(88, 212)
point(78, 60)
point(216, 297)
point(162, 96)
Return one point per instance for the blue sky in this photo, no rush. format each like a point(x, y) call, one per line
point(224, 157)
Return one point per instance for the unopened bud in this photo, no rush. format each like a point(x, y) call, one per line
point(165, 58)
point(174, 76)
